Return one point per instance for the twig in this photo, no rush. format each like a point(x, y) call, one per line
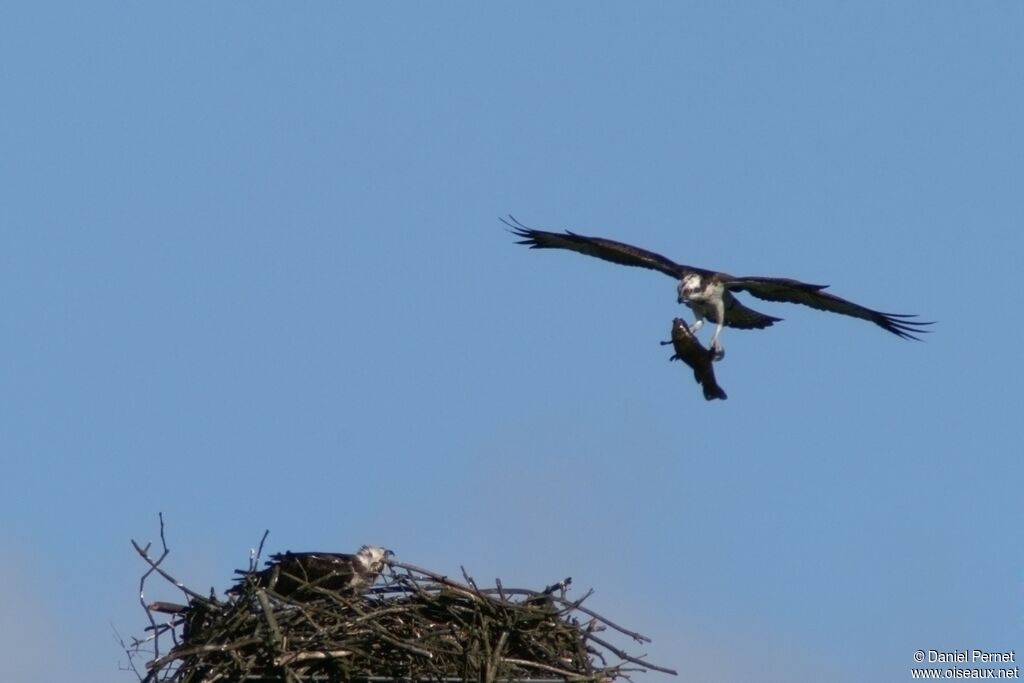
point(632, 634)
point(569, 675)
point(275, 639)
point(127, 651)
point(254, 561)
point(296, 657)
point(154, 566)
point(184, 652)
point(495, 658)
point(622, 655)
point(177, 584)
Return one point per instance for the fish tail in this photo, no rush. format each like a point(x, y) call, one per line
point(711, 388)
point(713, 391)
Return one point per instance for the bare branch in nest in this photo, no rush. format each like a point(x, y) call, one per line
point(154, 565)
point(166, 607)
point(128, 651)
point(254, 557)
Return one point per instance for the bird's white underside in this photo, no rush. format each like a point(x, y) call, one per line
point(705, 297)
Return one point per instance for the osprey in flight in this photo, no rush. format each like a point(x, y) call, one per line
point(692, 352)
point(710, 294)
point(302, 576)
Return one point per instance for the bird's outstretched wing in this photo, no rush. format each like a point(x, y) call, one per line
point(796, 292)
point(609, 250)
point(742, 318)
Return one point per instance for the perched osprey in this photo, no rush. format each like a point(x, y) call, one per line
point(692, 352)
point(709, 294)
point(303, 576)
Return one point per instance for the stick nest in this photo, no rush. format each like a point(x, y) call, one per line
point(413, 624)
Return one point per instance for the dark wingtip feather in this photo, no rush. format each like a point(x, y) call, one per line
point(519, 230)
point(898, 324)
point(534, 238)
point(515, 226)
point(511, 222)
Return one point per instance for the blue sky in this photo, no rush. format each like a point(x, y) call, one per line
point(252, 277)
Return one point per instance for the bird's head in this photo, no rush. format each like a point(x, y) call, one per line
point(373, 557)
point(689, 286)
